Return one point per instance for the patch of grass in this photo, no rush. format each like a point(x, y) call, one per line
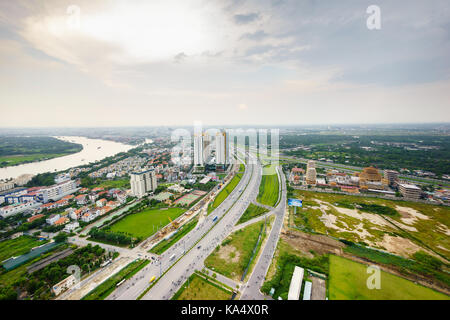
point(106, 288)
point(348, 281)
point(166, 244)
point(17, 247)
point(283, 268)
point(145, 223)
point(251, 212)
point(241, 243)
point(376, 208)
point(225, 192)
point(199, 288)
point(123, 183)
point(268, 190)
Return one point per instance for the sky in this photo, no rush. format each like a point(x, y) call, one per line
point(263, 62)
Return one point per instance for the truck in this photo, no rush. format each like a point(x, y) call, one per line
point(215, 219)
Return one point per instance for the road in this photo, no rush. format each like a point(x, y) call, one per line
point(251, 290)
point(203, 239)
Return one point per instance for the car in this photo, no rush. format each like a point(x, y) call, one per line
point(199, 247)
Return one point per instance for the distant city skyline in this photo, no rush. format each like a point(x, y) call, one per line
point(96, 63)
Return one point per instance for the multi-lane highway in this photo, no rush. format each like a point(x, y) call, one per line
point(188, 254)
point(251, 291)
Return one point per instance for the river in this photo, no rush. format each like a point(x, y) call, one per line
point(93, 150)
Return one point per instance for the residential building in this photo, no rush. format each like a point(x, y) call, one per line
point(143, 182)
point(311, 174)
point(391, 176)
point(52, 219)
point(222, 148)
point(198, 149)
point(65, 284)
point(296, 284)
point(16, 208)
point(35, 217)
point(71, 227)
point(409, 191)
point(101, 202)
point(4, 186)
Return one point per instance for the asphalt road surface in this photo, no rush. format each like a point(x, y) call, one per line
point(203, 239)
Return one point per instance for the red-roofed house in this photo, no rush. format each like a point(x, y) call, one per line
point(61, 221)
point(35, 217)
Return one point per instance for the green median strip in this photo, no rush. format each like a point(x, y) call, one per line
point(154, 282)
point(102, 291)
point(163, 245)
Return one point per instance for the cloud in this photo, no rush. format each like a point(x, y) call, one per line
point(242, 106)
point(257, 36)
point(246, 18)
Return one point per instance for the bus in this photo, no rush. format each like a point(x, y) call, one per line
point(172, 257)
point(122, 281)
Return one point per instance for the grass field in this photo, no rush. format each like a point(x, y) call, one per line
point(7, 161)
point(233, 255)
point(201, 289)
point(107, 287)
point(225, 192)
point(166, 244)
point(268, 190)
point(282, 267)
point(125, 183)
point(16, 247)
point(146, 222)
point(421, 224)
point(251, 212)
point(347, 281)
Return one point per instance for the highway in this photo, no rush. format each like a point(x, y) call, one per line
point(202, 241)
point(251, 290)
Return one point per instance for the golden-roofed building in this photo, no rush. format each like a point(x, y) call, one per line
point(371, 178)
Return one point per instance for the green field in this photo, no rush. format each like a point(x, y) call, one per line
point(18, 150)
point(107, 287)
point(347, 281)
point(198, 288)
point(251, 212)
point(16, 247)
point(268, 190)
point(225, 192)
point(166, 244)
point(145, 223)
point(233, 255)
point(429, 232)
point(124, 183)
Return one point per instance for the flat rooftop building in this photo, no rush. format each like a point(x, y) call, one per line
point(409, 191)
point(296, 284)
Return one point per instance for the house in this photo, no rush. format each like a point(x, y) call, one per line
point(52, 219)
point(61, 221)
point(35, 217)
point(112, 204)
point(97, 189)
point(71, 227)
point(81, 199)
point(89, 216)
point(69, 197)
point(101, 202)
point(62, 203)
point(106, 209)
point(65, 284)
point(48, 206)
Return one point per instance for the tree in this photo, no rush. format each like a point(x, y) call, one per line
point(61, 237)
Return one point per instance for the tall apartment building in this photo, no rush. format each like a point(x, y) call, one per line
point(198, 150)
point(59, 190)
point(311, 174)
point(143, 182)
point(222, 148)
point(409, 191)
point(391, 176)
